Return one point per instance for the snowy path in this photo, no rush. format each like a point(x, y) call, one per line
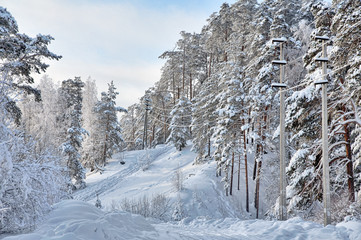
point(113, 178)
point(209, 214)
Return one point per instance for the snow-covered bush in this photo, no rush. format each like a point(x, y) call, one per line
point(31, 183)
point(178, 212)
point(177, 180)
point(158, 206)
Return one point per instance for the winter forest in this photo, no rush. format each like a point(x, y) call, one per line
point(215, 94)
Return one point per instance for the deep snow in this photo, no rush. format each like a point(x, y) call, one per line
point(207, 212)
point(77, 220)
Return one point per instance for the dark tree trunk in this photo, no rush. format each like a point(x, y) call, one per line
point(190, 87)
point(246, 169)
point(232, 168)
point(256, 204)
point(239, 173)
point(349, 167)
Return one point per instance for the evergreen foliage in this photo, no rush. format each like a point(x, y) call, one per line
point(232, 94)
point(215, 89)
point(180, 123)
point(106, 137)
point(72, 92)
point(31, 175)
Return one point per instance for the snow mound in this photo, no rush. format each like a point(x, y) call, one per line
point(77, 220)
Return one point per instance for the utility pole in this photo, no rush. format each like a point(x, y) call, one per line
point(145, 134)
point(325, 163)
point(281, 85)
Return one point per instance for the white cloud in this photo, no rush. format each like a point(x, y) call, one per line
point(106, 40)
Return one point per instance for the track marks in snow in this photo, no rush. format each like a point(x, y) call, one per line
point(134, 162)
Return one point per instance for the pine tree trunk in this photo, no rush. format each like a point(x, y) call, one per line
point(239, 173)
point(232, 168)
point(153, 136)
point(245, 142)
point(133, 131)
point(104, 150)
point(257, 187)
point(258, 162)
point(260, 151)
point(174, 90)
point(190, 87)
point(264, 129)
point(209, 144)
point(164, 123)
point(254, 169)
point(183, 68)
point(349, 167)
point(246, 168)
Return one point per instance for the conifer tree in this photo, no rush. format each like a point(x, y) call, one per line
point(203, 121)
point(303, 120)
point(129, 128)
point(72, 92)
point(346, 61)
point(180, 123)
point(107, 136)
point(31, 180)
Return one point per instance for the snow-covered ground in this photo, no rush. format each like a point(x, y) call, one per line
point(207, 213)
point(152, 172)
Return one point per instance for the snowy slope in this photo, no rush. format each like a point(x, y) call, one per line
point(207, 212)
point(151, 172)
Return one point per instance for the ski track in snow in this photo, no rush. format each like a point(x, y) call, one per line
point(110, 183)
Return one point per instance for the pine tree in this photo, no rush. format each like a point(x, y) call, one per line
point(171, 77)
point(346, 61)
point(203, 121)
point(130, 128)
point(72, 92)
point(303, 120)
point(107, 136)
point(180, 123)
point(31, 180)
point(158, 117)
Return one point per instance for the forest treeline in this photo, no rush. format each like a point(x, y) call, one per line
point(49, 133)
point(215, 90)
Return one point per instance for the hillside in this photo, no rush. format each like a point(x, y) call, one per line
point(147, 173)
point(207, 212)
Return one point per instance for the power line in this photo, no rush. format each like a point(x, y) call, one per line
point(288, 89)
point(322, 75)
point(182, 126)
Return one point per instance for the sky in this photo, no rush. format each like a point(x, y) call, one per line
point(111, 40)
